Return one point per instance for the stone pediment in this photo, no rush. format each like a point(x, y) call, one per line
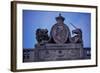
point(58, 45)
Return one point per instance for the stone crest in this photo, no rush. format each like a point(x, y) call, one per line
point(60, 33)
point(59, 40)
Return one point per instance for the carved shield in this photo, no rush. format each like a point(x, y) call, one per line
point(60, 33)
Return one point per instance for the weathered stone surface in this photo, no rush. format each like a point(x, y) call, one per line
point(54, 55)
point(54, 52)
point(64, 46)
point(60, 33)
point(60, 46)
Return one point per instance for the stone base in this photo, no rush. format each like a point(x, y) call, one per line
point(55, 52)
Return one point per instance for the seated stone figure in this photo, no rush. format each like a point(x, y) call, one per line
point(78, 36)
point(42, 35)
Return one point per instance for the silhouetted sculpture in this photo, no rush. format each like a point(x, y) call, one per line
point(60, 40)
point(42, 35)
point(78, 36)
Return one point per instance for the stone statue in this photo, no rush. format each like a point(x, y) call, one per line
point(78, 36)
point(59, 44)
point(42, 35)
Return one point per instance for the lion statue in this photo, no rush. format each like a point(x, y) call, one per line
point(77, 38)
point(42, 35)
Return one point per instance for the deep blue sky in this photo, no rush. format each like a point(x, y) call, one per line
point(46, 19)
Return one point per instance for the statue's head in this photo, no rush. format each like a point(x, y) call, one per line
point(41, 31)
point(77, 31)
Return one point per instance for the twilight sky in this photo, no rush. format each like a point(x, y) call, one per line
point(33, 20)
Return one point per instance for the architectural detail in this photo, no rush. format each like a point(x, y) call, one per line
point(59, 45)
point(60, 31)
point(42, 35)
